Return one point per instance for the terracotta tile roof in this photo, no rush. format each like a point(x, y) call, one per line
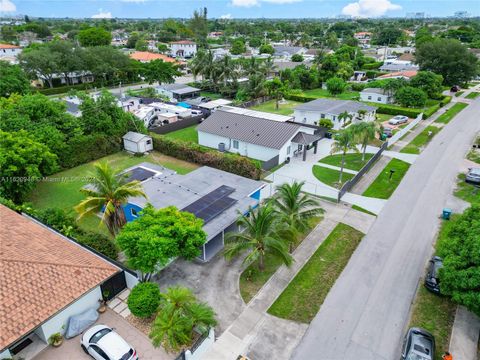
point(185, 42)
point(9, 46)
point(406, 73)
point(149, 56)
point(41, 272)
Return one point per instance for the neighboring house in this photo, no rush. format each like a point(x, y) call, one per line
point(313, 111)
point(73, 103)
point(45, 278)
point(146, 113)
point(214, 104)
point(215, 35)
point(127, 102)
point(279, 66)
point(363, 37)
point(9, 52)
point(407, 75)
point(179, 111)
point(183, 49)
point(395, 65)
point(146, 56)
point(263, 136)
point(376, 95)
point(407, 57)
point(215, 196)
point(137, 143)
point(178, 92)
point(288, 51)
point(74, 78)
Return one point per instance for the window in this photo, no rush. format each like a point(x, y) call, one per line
point(304, 120)
point(288, 150)
point(100, 352)
point(369, 97)
point(322, 116)
point(379, 98)
point(235, 144)
point(334, 118)
point(134, 212)
point(148, 142)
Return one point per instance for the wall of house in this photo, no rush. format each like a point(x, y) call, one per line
point(58, 323)
point(202, 349)
point(188, 49)
point(131, 211)
point(5, 354)
point(377, 98)
point(314, 117)
point(130, 146)
point(9, 52)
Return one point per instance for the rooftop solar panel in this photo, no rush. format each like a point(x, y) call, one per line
point(139, 174)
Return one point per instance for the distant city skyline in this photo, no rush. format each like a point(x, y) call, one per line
point(229, 9)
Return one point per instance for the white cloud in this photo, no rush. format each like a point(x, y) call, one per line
point(226, 16)
point(369, 8)
point(7, 6)
point(102, 15)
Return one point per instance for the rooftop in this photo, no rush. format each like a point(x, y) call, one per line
point(149, 56)
point(134, 136)
point(374, 91)
point(334, 107)
point(406, 73)
point(179, 88)
point(41, 272)
point(9, 46)
point(183, 42)
point(249, 128)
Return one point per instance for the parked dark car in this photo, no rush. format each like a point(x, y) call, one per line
point(418, 344)
point(455, 88)
point(432, 281)
point(388, 131)
point(473, 176)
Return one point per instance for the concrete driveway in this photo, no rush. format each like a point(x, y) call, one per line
point(71, 350)
point(215, 282)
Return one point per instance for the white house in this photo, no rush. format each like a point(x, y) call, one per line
point(178, 92)
point(363, 37)
point(376, 95)
point(183, 48)
point(137, 143)
point(179, 111)
point(145, 113)
point(265, 139)
point(313, 111)
point(46, 279)
point(9, 52)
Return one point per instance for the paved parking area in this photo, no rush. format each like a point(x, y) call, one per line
point(71, 350)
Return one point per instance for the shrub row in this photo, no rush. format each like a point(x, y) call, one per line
point(86, 148)
point(372, 66)
point(430, 111)
point(397, 110)
point(300, 98)
point(445, 100)
point(197, 154)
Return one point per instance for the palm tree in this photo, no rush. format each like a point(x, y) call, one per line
point(268, 66)
point(252, 67)
point(344, 142)
point(227, 70)
point(276, 89)
point(197, 64)
point(108, 193)
point(260, 236)
point(295, 208)
point(179, 315)
point(364, 132)
point(344, 116)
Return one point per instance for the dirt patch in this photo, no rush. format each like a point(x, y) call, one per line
point(144, 325)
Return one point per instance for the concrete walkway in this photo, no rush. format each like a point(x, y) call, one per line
point(465, 334)
point(247, 334)
point(370, 175)
point(345, 170)
point(409, 158)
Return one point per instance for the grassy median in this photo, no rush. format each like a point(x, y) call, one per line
point(352, 161)
point(421, 140)
point(383, 187)
point(450, 113)
point(330, 177)
point(302, 298)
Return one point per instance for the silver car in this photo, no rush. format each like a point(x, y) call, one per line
point(102, 343)
point(473, 176)
point(398, 120)
point(418, 344)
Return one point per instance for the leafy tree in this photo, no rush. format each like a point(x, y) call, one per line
point(327, 123)
point(387, 36)
point(12, 80)
point(336, 85)
point(141, 45)
point(345, 117)
point(255, 42)
point(295, 209)
point(423, 35)
point(39, 63)
point(238, 47)
point(144, 299)
point(276, 89)
point(448, 58)
point(260, 237)
point(198, 25)
point(132, 40)
point(180, 315)
point(158, 236)
point(344, 142)
point(162, 48)
point(411, 97)
point(160, 72)
point(227, 70)
point(345, 70)
point(94, 36)
point(69, 58)
point(23, 162)
point(297, 58)
point(266, 49)
point(460, 250)
point(328, 68)
point(429, 82)
point(364, 133)
point(108, 193)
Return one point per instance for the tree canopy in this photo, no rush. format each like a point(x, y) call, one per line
point(94, 36)
point(12, 80)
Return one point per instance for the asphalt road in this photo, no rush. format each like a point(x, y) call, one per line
point(366, 312)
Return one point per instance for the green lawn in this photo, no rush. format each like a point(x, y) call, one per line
point(358, 208)
point(459, 93)
point(283, 109)
point(321, 93)
point(421, 140)
point(450, 113)
point(65, 194)
point(472, 95)
point(467, 191)
point(211, 95)
point(352, 161)
point(383, 187)
point(189, 134)
point(474, 155)
point(252, 280)
point(303, 297)
point(381, 118)
point(330, 176)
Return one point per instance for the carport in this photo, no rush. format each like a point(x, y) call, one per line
point(305, 142)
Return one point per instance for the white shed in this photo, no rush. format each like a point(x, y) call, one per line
point(137, 143)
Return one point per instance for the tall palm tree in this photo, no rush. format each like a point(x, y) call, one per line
point(227, 70)
point(268, 66)
point(364, 132)
point(260, 236)
point(197, 64)
point(344, 142)
point(344, 116)
point(108, 193)
point(180, 313)
point(295, 208)
point(253, 67)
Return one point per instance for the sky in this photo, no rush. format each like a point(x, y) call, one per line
point(234, 8)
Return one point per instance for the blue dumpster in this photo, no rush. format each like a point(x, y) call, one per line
point(446, 213)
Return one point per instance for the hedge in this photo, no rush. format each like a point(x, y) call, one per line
point(430, 111)
point(445, 100)
point(198, 154)
point(144, 299)
point(397, 110)
point(372, 66)
point(300, 98)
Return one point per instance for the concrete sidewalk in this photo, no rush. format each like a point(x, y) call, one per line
point(345, 170)
point(465, 334)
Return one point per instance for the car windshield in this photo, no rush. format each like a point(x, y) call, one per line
point(98, 335)
point(416, 356)
point(127, 355)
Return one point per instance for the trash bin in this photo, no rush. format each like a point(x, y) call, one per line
point(446, 213)
point(383, 137)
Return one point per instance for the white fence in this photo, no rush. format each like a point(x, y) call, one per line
point(398, 135)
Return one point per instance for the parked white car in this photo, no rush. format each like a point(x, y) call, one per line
point(102, 343)
point(397, 120)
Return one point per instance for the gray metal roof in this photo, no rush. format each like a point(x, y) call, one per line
point(134, 136)
point(179, 88)
point(375, 91)
point(306, 139)
point(168, 188)
point(291, 50)
point(253, 130)
point(334, 107)
point(398, 67)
